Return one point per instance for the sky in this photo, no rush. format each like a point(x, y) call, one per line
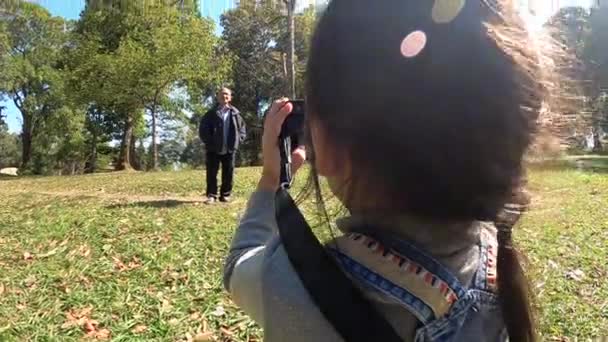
point(70, 9)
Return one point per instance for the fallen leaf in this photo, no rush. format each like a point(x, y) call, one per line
point(119, 264)
point(140, 328)
point(204, 337)
point(76, 317)
point(134, 263)
point(90, 326)
point(2, 289)
point(102, 334)
point(27, 256)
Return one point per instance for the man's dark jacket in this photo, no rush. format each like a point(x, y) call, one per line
point(211, 130)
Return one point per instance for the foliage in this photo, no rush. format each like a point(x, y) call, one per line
point(151, 50)
point(256, 34)
point(585, 35)
point(9, 147)
point(32, 41)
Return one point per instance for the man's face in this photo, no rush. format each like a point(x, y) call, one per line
point(224, 97)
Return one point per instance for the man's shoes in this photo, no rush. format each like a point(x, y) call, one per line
point(225, 199)
point(210, 200)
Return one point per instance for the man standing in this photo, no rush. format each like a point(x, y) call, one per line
point(222, 129)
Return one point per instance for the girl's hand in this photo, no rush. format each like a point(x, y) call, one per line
point(271, 171)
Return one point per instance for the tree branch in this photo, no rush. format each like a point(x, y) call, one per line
point(18, 100)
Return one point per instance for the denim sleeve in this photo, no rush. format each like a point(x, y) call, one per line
point(245, 261)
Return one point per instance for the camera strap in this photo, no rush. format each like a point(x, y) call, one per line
point(340, 302)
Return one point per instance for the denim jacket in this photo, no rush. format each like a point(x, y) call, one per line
point(429, 283)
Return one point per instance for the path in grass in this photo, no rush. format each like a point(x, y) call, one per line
point(137, 257)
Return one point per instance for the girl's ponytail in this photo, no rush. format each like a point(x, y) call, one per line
point(513, 286)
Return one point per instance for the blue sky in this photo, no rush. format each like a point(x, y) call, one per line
point(210, 8)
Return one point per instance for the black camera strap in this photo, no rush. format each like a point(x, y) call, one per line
point(342, 304)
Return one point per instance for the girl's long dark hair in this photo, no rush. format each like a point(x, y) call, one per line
point(439, 134)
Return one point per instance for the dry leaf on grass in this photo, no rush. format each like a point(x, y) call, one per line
point(134, 263)
point(102, 334)
point(82, 318)
point(120, 266)
point(76, 317)
point(206, 336)
point(140, 328)
point(2, 289)
point(27, 256)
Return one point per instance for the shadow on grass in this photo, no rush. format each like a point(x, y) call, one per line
point(586, 163)
point(7, 178)
point(153, 204)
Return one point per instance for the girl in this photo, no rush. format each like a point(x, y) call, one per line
point(419, 114)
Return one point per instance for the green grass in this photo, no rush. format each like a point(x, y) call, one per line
point(142, 253)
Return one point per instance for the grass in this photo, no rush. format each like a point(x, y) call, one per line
point(137, 257)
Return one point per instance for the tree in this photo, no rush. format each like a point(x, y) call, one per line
point(584, 33)
point(291, 51)
point(596, 53)
point(141, 52)
point(9, 146)
point(31, 77)
point(176, 50)
point(256, 34)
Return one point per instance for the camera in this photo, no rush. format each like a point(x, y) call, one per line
point(294, 123)
point(291, 136)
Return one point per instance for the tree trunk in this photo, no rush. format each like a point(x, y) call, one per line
point(154, 145)
point(597, 140)
point(92, 167)
point(135, 160)
point(291, 6)
point(124, 158)
point(26, 140)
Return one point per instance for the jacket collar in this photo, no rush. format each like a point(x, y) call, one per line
point(232, 108)
point(435, 237)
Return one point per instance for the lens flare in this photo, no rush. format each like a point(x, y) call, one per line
point(413, 44)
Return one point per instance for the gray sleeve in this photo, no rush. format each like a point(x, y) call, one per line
point(245, 261)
